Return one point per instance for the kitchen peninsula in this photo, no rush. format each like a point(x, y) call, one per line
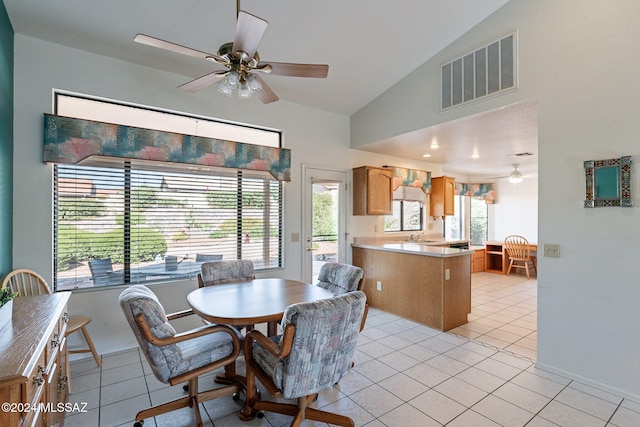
point(426, 281)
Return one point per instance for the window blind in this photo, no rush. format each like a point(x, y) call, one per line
point(129, 224)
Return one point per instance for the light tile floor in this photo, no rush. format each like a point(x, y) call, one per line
point(406, 374)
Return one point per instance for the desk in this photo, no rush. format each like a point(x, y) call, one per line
point(496, 258)
point(255, 301)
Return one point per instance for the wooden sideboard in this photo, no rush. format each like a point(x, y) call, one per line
point(33, 362)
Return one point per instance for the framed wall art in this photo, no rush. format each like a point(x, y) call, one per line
point(608, 182)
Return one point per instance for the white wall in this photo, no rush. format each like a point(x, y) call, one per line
point(515, 210)
point(578, 59)
point(315, 137)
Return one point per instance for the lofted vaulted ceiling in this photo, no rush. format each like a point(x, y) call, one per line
point(369, 45)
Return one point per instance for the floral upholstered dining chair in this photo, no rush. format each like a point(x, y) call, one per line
point(314, 353)
point(219, 272)
point(340, 278)
point(178, 357)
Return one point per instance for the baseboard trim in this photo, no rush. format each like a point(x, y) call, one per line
point(589, 382)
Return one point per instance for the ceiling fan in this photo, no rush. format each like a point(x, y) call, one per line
point(515, 177)
point(241, 60)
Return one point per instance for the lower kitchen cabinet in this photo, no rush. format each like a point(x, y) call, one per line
point(432, 290)
point(478, 263)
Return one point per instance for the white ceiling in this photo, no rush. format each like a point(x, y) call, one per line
point(369, 46)
point(501, 138)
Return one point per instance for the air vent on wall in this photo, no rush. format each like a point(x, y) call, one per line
point(486, 71)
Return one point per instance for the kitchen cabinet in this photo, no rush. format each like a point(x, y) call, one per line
point(441, 200)
point(33, 356)
point(429, 286)
point(372, 191)
point(478, 260)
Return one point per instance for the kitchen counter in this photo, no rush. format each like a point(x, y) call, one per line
point(421, 281)
point(435, 248)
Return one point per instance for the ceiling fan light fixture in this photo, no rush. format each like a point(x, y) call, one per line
point(233, 78)
point(254, 84)
point(225, 88)
point(244, 92)
point(516, 177)
point(241, 58)
point(245, 83)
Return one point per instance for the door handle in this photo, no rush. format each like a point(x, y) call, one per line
point(309, 249)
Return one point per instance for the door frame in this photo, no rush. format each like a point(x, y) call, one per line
point(309, 172)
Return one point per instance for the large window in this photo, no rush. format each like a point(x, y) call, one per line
point(471, 220)
point(454, 224)
point(479, 220)
point(406, 216)
point(131, 223)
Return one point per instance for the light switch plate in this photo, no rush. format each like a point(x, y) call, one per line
point(551, 250)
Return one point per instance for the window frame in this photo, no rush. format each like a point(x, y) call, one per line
point(471, 221)
point(401, 219)
point(267, 211)
point(465, 220)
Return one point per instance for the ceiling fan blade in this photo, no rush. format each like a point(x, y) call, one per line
point(295, 70)
point(266, 95)
point(173, 47)
point(249, 32)
point(204, 81)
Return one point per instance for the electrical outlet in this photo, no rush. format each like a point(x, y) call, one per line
point(379, 285)
point(295, 237)
point(551, 250)
point(447, 274)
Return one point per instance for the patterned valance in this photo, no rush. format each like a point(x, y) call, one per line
point(411, 178)
point(69, 140)
point(487, 192)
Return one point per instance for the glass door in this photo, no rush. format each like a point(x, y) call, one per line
point(324, 239)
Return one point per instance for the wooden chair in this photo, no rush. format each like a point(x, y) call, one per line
point(315, 351)
point(519, 253)
point(27, 282)
point(340, 278)
point(178, 357)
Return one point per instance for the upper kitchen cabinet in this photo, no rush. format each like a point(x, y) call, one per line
point(372, 191)
point(442, 192)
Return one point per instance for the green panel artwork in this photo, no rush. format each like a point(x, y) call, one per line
point(608, 182)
